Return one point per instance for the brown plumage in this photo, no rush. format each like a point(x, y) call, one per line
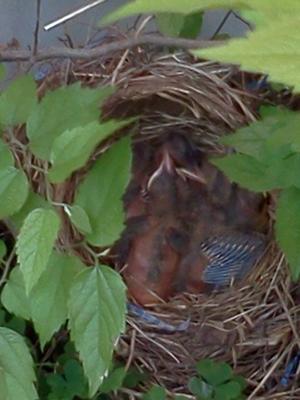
point(196, 228)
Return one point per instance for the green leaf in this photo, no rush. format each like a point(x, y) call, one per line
point(76, 381)
point(6, 157)
point(72, 149)
point(32, 202)
point(96, 319)
point(134, 377)
point(100, 194)
point(69, 385)
point(80, 219)
point(270, 137)
point(179, 25)
point(228, 391)
point(35, 243)
point(272, 50)
point(155, 393)
point(264, 12)
point(16, 324)
point(48, 298)
point(17, 101)
point(213, 372)
point(170, 23)
point(114, 381)
point(200, 388)
point(3, 250)
point(2, 71)
point(3, 385)
point(16, 366)
point(63, 109)
point(245, 170)
point(192, 25)
point(240, 380)
point(166, 6)
point(258, 176)
point(288, 228)
point(272, 142)
point(47, 303)
point(14, 297)
point(13, 191)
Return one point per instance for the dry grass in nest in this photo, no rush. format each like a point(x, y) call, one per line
point(255, 326)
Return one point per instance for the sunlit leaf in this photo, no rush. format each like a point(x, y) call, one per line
point(273, 49)
point(80, 219)
point(14, 297)
point(32, 202)
point(179, 25)
point(100, 194)
point(96, 319)
point(167, 6)
point(46, 305)
point(288, 227)
point(48, 299)
point(72, 148)
point(264, 12)
point(35, 243)
point(17, 101)
point(13, 191)
point(16, 367)
point(63, 109)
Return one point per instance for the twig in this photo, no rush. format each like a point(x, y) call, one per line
point(222, 23)
point(10, 55)
point(37, 28)
point(7, 267)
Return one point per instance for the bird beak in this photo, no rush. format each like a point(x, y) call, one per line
point(185, 173)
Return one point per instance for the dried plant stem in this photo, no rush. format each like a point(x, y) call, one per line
point(10, 55)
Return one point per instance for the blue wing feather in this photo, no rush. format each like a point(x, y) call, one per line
point(150, 319)
point(231, 257)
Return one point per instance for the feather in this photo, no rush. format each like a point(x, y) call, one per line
point(231, 257)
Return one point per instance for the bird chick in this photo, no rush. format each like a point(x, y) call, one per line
point(151, 264)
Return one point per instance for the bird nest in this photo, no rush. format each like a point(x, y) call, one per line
point(254, 326)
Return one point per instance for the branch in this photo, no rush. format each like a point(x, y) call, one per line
point(10, 55)
point(37, 28)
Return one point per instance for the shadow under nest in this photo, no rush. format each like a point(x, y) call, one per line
point(253, 325)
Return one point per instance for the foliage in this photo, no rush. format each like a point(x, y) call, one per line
point(273, 44)
point(178, 25)
point(49, 287)
point(267, 154)
point(216, 381)
point(16, 367)
point(269, 158)
point(49, 292)
point(105, 199)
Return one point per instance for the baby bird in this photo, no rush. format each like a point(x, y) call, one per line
point(196, 229)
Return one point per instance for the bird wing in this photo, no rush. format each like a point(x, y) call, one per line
point(152, 320)
point(231, 256)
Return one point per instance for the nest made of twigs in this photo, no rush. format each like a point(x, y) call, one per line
point(254, 326)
